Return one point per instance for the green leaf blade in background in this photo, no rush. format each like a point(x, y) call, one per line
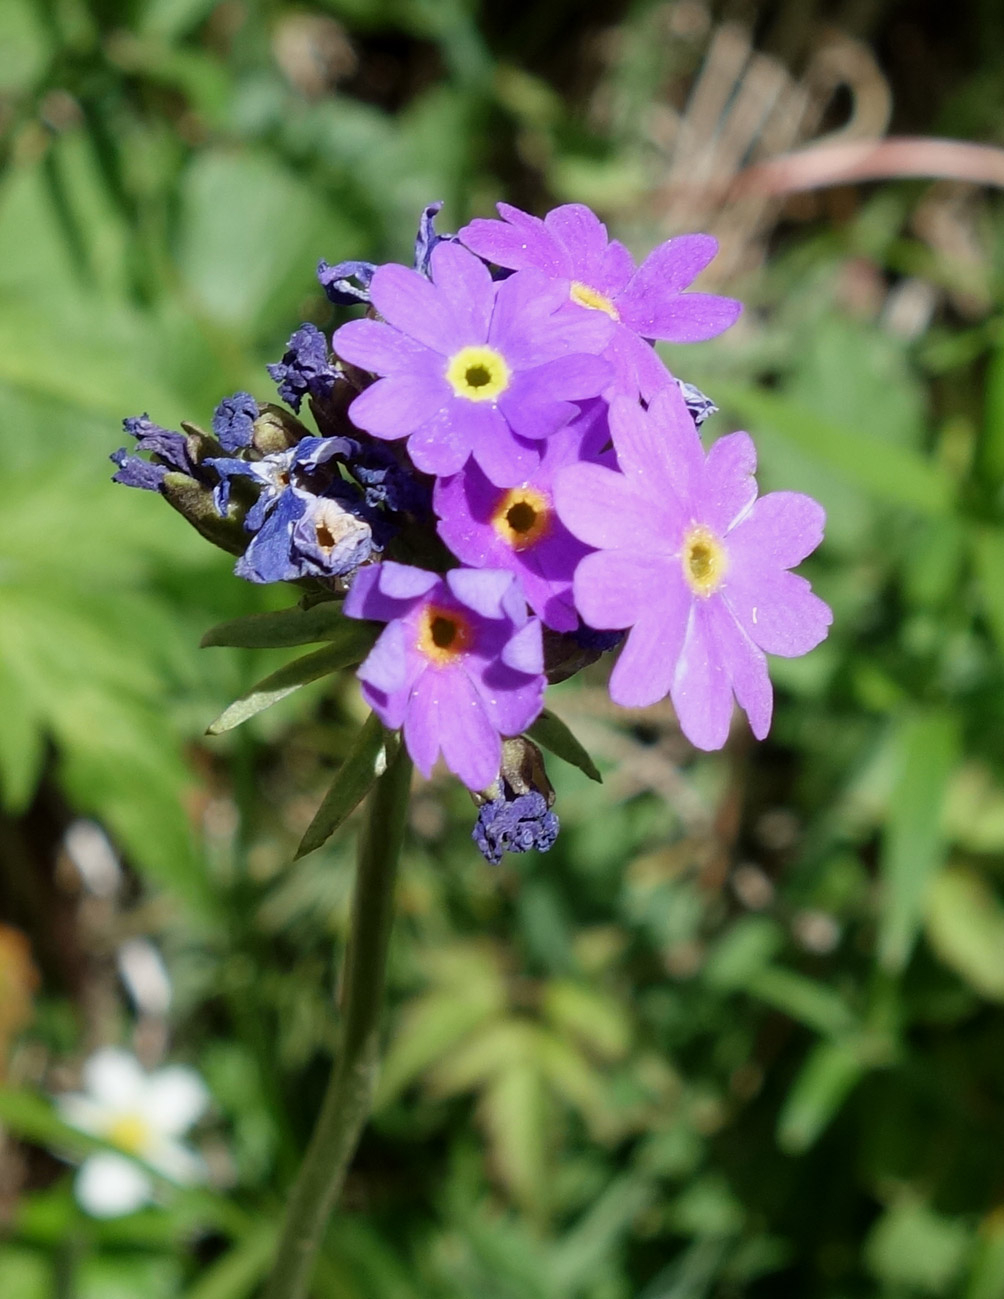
point(551, 733)
point(355, 778)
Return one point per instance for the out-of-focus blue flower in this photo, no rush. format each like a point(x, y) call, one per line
point(305, 368)
point(233, 421)
point(518, 823)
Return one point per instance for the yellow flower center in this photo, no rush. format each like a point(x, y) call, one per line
point(130, 1132)
point(478, 373)
point(443, 634)
point(705, 561)
point(592, 298)
point(522, 517)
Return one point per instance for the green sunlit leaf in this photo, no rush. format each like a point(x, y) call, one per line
point(363, 763)
point(552, 734)
point(283, 628)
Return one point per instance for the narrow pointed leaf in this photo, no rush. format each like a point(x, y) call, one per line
point(552, 734)
point(363, 763)
point(283, 627)
point(350, 648)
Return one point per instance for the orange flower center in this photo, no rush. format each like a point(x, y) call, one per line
point(443, 634)
point(522, 517)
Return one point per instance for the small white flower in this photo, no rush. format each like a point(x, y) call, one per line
point(143, 1115)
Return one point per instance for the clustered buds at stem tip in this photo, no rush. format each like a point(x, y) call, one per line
point(510, 480)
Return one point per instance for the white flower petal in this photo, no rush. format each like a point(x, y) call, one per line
point(114, 1079)
point(109, 1186)
point(175, 1098)
point(83, 1113)
point(180, 1163)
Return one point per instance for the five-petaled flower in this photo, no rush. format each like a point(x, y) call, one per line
point(694, 565)
point(458, 665)
point(471, 367)
point(570, 245)
point(143, 1115)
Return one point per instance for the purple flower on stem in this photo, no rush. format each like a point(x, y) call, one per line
point(472, 367)
point(233, 421)
point(694, 564)
point(570, 245)
point(458, 665)
point(170, 449)
point(305, 369)
point(514, 824)
point(516, 528)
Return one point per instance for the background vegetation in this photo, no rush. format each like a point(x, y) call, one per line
point(740, 1033)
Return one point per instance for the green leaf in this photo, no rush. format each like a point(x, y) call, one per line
point(890, 472)
point(913, 848)
point(366, 760)
point(349, 648)
point(914, 1248)
point(826, 1079)
point(282, 628)
point(989, 555)
point(552, 734)
point(965, 926)
point(803, 1000)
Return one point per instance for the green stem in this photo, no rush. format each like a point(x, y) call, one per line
point(350, 1092)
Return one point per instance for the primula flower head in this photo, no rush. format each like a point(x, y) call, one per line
point(571, 246)
point(144, 1115)
point(694, 564)
point(470, 367)
point(517, 528)
point(458, 665)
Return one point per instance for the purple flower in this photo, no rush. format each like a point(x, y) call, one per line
point(170, 449)
point(472, 367)
point(514, 824)
point(516, 528)
point(694, 565)
point(233, 421)
point(305, 369)
point(346, 283)
point(458, 665)
point(571, 246)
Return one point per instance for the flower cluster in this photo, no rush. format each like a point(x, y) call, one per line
point(510, 480)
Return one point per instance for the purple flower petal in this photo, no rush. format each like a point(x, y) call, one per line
point(414, 305)
point(746, 666)
point(442, 445)
point(374, 345)
point(482, 590)
point(467, 284)
point(674, 265)
point(395, 407)
point(386, 666)
point(517, 242)
point(729, 488)
point(524, 652)
point(604, 508)
point(421, 722)
point(404, 582)
point(580, 230)
point(778, 611)
point(783, 528)
point(688, 318)
point(614, 588)
point(470, 743)
point(702, 690)
point(505, 458)
point(646, 666)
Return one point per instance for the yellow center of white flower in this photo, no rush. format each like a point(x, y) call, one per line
point(592, 298)
point(704, 559)
point(478, 373)
point(443, 634)
point(130, 1132)
point(522, 517)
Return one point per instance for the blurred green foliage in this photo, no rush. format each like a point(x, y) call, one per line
point(740, 1032)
